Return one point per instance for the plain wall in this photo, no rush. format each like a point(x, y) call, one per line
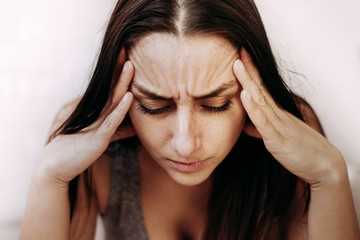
point(48, 49)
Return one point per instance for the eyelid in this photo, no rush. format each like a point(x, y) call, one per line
point(152, 111)
point(165, 109)
point(153, 103)
point(218, 100)
point(219, 109)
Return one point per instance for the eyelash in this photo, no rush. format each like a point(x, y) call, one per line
point(222, 108)
point(157, 111)
point(149, 111)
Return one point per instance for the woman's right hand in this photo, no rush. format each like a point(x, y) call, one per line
point(66, 156)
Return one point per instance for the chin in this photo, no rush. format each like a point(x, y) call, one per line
point(189, 179)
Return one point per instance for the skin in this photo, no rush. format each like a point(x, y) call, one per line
point(305, 153)
point(186, 130)
point(298, 147)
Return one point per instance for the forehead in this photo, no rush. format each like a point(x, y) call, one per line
point(175, 66)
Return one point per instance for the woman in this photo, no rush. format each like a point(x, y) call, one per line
point(220, 149)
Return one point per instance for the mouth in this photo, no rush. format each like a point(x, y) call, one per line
point(188, 167)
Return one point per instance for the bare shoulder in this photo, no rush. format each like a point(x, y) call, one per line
point(309, 115)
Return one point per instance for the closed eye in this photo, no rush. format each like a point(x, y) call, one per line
point(157, 111)
point(152, 111)
point(222, 108)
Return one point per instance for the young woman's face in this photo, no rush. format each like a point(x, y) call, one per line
point(187, 111)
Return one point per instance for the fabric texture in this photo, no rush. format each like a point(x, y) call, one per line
point(123, 218)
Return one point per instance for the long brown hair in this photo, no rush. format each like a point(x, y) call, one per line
point(251, 190)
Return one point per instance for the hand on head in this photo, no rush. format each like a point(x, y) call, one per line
point(68, 155)
point(298, 147)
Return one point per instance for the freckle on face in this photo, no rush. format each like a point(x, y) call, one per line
point(179, 69)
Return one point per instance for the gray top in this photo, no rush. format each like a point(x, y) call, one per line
point(123, 218)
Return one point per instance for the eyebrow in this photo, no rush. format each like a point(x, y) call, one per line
point(213, 93)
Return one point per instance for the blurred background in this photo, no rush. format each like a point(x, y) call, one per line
point(48, 50)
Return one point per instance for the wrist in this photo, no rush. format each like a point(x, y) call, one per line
point(333, 172)
point(43, 175)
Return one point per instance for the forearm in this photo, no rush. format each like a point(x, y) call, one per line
point(47, 214)
point(331, 211)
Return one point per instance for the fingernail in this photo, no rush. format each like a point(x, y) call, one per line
point(239, 65)
point(126, 66)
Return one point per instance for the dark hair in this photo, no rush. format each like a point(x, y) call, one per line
point(251, 192)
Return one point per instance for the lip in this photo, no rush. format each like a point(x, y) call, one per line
point(189, 167)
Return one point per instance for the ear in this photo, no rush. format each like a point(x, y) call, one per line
point(250, 129)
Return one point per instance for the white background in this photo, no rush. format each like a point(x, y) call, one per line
point(48, 49)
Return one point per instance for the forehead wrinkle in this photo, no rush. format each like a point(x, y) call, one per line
point(156, 77)
point(146, 90)
point(218, 90)
point(148, 56)
point(143, 76)
point(149, 93)
point(197, 66)
point(183, 66)
point(220, 66)
point(167, 70)
point(229, 56)
point(146, 77)
point(176, 75)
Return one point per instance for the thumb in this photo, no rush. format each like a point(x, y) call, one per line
point(114, 119)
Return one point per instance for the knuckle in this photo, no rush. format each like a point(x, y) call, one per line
point(261, 85)
point(108, 123)
point(261, 99)
point(262, 121)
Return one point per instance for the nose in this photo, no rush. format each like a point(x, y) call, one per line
point(186, 138)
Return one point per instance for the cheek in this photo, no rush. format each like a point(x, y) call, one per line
point(226, 130)
point(217, 131)
point(231, 121)
point(138, 121)
point(145, 127)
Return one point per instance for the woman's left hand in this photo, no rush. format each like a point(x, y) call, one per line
point(298, 147)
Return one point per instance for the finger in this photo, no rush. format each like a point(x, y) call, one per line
point(118, 92)
point(263, 107)
point(123, 83)
point(250, 66)
point(254, 74)
point(261, 96)
point(119, 63)
point(248, 83)
point(114, 119)
point(259, 118)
